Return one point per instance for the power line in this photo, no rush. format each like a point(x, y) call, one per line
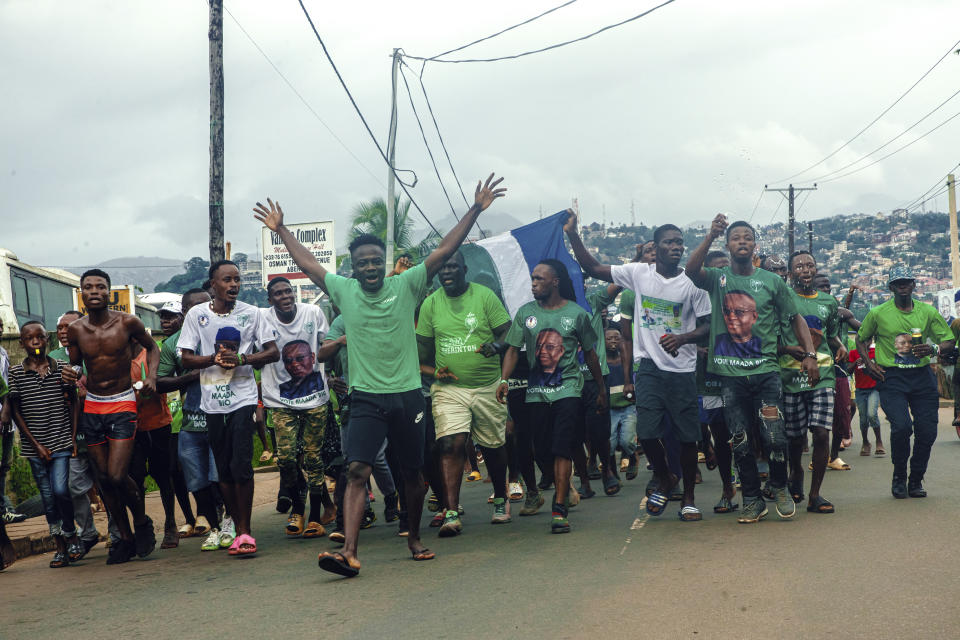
point(364, 120)
point(875, 120)
point(759, 198)
point(776, 211)
point(929, 197)
point(884, 145)
point(935, 185)
point(302, 99)
point(895, 151)
point(553, 46)
point(498, 33)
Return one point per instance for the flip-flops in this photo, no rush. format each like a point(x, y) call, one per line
point(422, 554)
point(586, 495)
point(837, 464)
point(820, 505)
point(611, 486)
point(336, 563)
point(689, 513)
point(879, 452)
point(726, 505)
point(234, 548)
point(657, 502)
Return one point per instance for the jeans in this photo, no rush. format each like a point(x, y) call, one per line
point(868, 403)
point(81, 480)
point(902, 393)
point(743, 398)
point(196, 460)
point(53, 481)
point(623, 430)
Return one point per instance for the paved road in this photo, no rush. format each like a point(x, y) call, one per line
point(878, 568)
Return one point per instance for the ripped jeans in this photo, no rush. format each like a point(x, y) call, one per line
point(744, 400)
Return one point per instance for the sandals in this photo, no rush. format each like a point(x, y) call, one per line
point(185, 531)
point(338, 564)
point(246, 545)
point(295, 525)
point(75, 552)
point(266, 456)
point(59, 560)
point(657, 502)
point(586, 495)
point(516, 492)
point(838, 464)
point(314, 530)
point(201, 527)
point(879, 452)
point(611, 486)
point(474, 476)
point(689, 513)
point(726, 505)
point(422, 554)
point(820, 505)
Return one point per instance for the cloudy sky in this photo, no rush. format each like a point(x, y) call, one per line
point(686, 112)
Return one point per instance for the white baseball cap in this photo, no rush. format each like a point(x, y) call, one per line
point(173, 306)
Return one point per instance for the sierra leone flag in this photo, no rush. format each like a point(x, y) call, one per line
point(504, 262)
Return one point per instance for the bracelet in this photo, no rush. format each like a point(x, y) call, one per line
point(240, 358)
point(502, 381)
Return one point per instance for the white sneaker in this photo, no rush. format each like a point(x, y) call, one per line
point(227, 532)
point(211, 542)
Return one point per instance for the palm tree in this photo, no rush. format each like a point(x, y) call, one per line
point(371, 217)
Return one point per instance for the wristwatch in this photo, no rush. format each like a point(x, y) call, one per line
point(809, 354)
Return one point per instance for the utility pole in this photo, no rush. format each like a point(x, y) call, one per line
point(633, 216)
point(391, 156)
point(954, 252)
point(810, 236)
point(790, 194)
point(215, 35)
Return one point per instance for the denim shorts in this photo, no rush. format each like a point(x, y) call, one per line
point(196, 460)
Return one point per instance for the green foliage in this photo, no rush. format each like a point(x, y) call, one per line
point(371, 217)
point(20, 484)
point(195, 274)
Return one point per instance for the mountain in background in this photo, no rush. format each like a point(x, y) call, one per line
point(142, 271)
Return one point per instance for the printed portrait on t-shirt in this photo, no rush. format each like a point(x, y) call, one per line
point(739, 315)
point(815, 324)
point(546, 372)
point(298, 361)
point(904, 353)
point(228, 343)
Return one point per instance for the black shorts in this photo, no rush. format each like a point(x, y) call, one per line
point(231, 440)
point(597, 424)
point(662, 393)
point(397, 417)
point(97, 428)
point(557, 429)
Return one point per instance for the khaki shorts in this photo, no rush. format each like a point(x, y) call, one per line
point(475, 411)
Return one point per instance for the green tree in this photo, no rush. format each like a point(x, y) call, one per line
point(195, 274)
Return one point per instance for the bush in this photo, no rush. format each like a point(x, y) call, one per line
point(20, 484)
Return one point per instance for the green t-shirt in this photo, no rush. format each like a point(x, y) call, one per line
point(891, 329)
point(552, 337)
point(820, 312)
point(184, 405)
point(384, 344)
point(174, 400)
point(458, 327)
point(708, 384)
point(628, 300)
point(340, 363)
point(597, 302)
point(753, 308)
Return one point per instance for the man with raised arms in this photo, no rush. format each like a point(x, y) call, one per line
point(749, 305)
point(668, 309)
point(219, 339)
point(386, 401)
point(101, 342)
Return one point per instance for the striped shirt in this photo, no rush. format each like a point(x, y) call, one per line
point(44, 407)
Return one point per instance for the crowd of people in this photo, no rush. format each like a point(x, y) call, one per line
point(736, 360)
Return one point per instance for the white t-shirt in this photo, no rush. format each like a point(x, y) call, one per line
point(225, 390)
point(663, 305)
point(279, 389)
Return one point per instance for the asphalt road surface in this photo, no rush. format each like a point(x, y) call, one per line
point(878, 568)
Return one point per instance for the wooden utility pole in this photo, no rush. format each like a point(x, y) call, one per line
point(954, 250)
point(810, 236)
point(791, 193)
point(391, 157)
point(215, 35)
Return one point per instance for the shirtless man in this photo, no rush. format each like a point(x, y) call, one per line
point(101, 342)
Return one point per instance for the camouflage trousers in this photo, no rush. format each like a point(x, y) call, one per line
point(300, 445)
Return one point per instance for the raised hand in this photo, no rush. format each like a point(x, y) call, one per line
point(484, 196)
point(272, 217)
point(718, 226)
point(403, 263)
point(570, 226)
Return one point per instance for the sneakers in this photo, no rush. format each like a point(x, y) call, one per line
point(786, 507)
point(515, 491)
point(532, 503)
point(501, 511)
point(754, 511)
point(12, 517)
point(451, 525)
point(212, 541)
point(369, 517)
point(915, 489)
point(433, 504)
point(120, 552)
point(146, 539)
point(436, 521)
point(391, 507)
point(227, 532)
point(559, 524)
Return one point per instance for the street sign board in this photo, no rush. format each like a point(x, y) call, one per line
point(122, 298)
point(317, 237)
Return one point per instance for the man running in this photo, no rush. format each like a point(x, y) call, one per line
point(461, 328)
point(809, 406)
point(100, 341)
point(904, 378)
point(749, 306)
point(295, 393)
point(668, 309)
point(219, 338)
point(552, 328)
point(386, 400)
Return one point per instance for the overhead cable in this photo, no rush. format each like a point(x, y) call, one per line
point(935, 185)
